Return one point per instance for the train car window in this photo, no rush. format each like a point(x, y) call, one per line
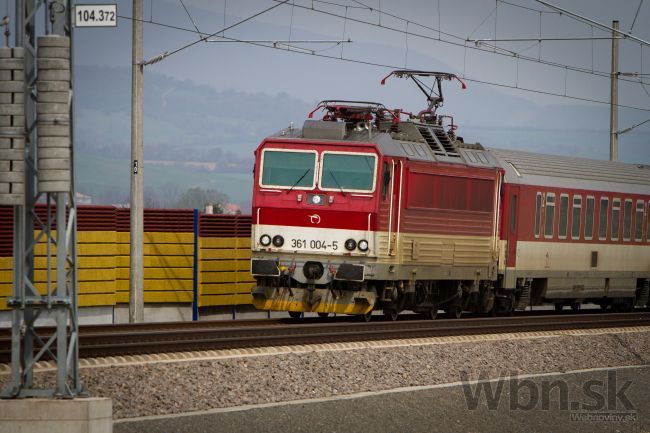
point(538, 213)
point(616, 218)
point(288, 169)
point(627, 220)
point(564, 216)
point(576, 217)
point(647, 224)
point(589, 218)
point(348, 172)
point(638, 221)
point(549, 215)
point(513, 213)
point(603, 213)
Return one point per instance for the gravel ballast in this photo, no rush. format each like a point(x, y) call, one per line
point(166, 388)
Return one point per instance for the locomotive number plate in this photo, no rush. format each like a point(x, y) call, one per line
point(314, 244)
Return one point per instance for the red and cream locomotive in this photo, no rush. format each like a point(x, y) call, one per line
point(377, 209)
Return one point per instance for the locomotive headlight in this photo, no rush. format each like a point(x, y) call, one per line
point(317, 199)
point(350, 244)
point(265, 240)
point(363, 245)
point(278, 241)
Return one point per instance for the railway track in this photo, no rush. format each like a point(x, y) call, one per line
point(131, 339)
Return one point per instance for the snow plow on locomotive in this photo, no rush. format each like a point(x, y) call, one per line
point(377, 209)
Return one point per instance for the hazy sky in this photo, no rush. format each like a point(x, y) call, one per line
point(250, 68)
point(458, 19)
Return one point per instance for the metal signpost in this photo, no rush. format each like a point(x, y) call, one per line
point(36, 78)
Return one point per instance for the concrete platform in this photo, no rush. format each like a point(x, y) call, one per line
point(80, 415)
point(601, 400)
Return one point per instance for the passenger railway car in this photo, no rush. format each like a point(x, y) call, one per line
point(370, 208)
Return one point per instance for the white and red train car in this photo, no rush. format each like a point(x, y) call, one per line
point(575, 230)
point(364, 210)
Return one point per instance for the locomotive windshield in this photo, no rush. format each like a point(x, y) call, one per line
point(288, 168)
point(348, 171)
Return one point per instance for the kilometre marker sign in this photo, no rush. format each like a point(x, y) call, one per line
point(95, 16)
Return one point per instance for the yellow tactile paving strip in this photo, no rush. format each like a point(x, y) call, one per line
point(207, 355)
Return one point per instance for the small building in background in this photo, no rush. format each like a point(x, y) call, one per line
point(82, 198)
point(231, 209)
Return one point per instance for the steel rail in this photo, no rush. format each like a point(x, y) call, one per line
point(125, 340)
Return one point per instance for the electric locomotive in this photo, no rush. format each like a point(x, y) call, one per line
point(372, 208)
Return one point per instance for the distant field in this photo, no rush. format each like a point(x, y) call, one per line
point(102, 177)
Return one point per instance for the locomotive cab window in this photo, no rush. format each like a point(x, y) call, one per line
point(549, 215)
point(354, 172)
point(288, 169)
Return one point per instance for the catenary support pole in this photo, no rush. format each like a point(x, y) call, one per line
point(613, 99)
point(136, 277)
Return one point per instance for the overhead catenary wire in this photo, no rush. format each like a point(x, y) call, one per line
point(527, 8)
point(589, 21)
point(166, 54)
point(500, 51)
point(291, 21)
point(540, 39)
point(623, 131)
point(389, 66)
point(191, 19)
point(635, 16)
point(492, 48)
point(288, 43)
point(482, 22)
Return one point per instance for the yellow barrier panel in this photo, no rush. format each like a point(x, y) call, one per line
point(103, 272)
point(224, 300)
point(226, 288)
point(224, 276)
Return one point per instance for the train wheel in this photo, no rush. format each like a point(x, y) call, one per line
point(323, 315)
point(455, 311)
point(391, 314)
point(366, 317)
point(559, 306)
point(431, 314)
point(295, 314)
point(575, 307)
